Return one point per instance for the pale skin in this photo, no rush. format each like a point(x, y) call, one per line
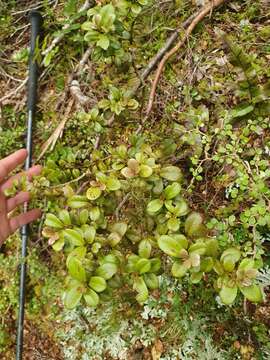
point(9, 224)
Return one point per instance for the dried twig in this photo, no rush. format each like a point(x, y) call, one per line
point(50, 143)
point(7, 75)
point(70, 182)
point(97, 142)
point(35, 7)
point(75, 73)
point(80, 65)
point(14, 91)
point(173, 37)
point(121, 204)
point(76, 92)
point(199, 17)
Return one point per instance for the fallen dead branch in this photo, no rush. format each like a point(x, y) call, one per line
point(208, 8)
point(31, 8)
point(75, 73)
point(50, 143)
point(121, 204)
point(14, 91)
point(173, 37)
point(77, 94)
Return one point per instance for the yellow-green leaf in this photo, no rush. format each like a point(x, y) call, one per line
point(154, 206)
point(74, 236)
point(228, 294)
point(145, 171)
point(77, 201)
point(113, 184)
point(170, 245)
point(91, 298)
point(93, 193)
point(97, 283)
point(64, 217)
point(107, 270)
point(76, 269)
point(253, 293)
point(178, 269)
point(172, 190)
point(193, 224)
point(143, 266)
point(53, 221)
point(151, 281)
point(72, 297)
point(140, 286)
point(145, 248)
point(171, 173)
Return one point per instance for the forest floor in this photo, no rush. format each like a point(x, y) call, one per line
point(209, 117)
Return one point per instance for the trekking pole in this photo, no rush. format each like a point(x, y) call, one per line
point(36, 22)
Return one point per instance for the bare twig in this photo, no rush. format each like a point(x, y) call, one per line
point(14, 91)
point(80, 66)
point(76, 92)
point(69, 182)
point(76, 73)
point(121, 204)
point(6, 75)
point(155, 60)
point(35, 7)
point(111, 120)
point(50, 143)
point(97, 142)
point(208, 8)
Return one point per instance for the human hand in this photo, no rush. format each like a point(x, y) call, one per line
point(10, 225)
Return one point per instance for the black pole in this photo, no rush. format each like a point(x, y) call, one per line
point(36, 23)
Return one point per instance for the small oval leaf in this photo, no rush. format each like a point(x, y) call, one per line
point(178, 269)
point(253, 293)
point(151, 281)
point(91, 298)
point(193, 224)
point(145, 248)
point(143, 266)
point(172, 191)
point(77, 201)
point(97, 283)
point(76, 270)
point(154, 206)
point(72, 297)
point(171, 173)
point(228, 294)
point(170, 245)
point(107, 270)
point(140, 286)
point(74, 236)
point(93, 193)
point(53, 222)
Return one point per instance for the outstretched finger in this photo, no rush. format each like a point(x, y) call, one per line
point(11, 162)
point(17, 200)
point(33, 171)
point(23, 219)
